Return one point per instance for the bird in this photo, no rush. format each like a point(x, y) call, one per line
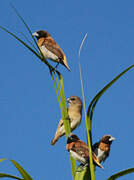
point(49, 48)
point(74, 114)
point(102, 148)
point(79, 151)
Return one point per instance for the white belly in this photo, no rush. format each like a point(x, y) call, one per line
point(75, 122)
point(100, 154)
point(73, 125)
point(48, 54)
point(77, 157)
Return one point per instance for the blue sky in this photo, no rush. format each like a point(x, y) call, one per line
point(28, 106)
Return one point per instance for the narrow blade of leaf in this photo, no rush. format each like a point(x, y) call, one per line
point(73, 166)
point(82, 173)
point(65, 118)
point(121, 173)
point(56, 90)
point(63, 97)
point(33, 51)
point(30, 32)
point(29, 41)
point(89, 133)
point(3, 159)
point(59, 89)
point(4, 175)
point(22, 42)
point(24, 174)
point(94, 101)
point(23, 21)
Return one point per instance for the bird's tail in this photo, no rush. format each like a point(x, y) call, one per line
point(65, 63)
point(55, 139)
point(59, 133)
point(96, 160)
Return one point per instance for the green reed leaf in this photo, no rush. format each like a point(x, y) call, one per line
point(94, 101)
point(4, 175)
point(82, 173)
point(121, 173)
point(89, 133)
point(23, 173)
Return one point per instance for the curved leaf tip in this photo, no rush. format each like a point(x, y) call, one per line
point(121, 173)
point(94, 101)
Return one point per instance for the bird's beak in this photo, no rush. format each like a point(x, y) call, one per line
point(112, 139)
point(68, 100)
point(35, 34)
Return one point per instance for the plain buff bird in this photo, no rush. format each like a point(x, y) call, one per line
point(74, 114)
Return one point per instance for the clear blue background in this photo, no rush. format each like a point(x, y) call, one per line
point(29, 110)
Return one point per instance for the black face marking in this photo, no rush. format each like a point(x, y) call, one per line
point(42, 33)
point(106, 139)
point(72, 138)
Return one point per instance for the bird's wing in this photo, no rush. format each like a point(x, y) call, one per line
point(94, 146)
point(96, 160)
point(97, 145)
point(60, 126)
point(59, 132)
point(82, 149)
point(52, 46)
point(107, 154)
point(60, 123)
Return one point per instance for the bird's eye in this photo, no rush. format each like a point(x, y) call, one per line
point(72, 99)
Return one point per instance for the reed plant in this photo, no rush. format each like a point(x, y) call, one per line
point(87, 173)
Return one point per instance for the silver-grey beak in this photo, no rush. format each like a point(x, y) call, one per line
point(111, 138)
point(35, 34)
point(68, 99)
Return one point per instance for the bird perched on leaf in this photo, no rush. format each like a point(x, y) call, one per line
point(49, 48)
point(74, 114)
point(79, 151)
point(102, 148)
